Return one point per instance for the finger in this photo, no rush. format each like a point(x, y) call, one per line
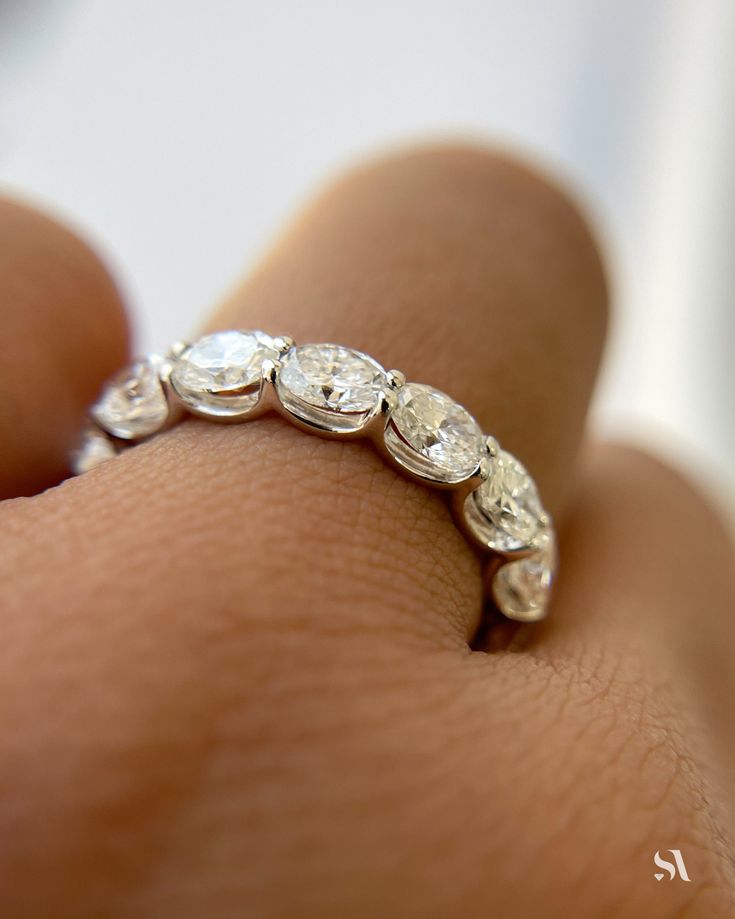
point(409, 779)
point(664, 543)
point(637, 661)
point(241, 598)
point(648, 583)
point(464, 270)
point(63, 332)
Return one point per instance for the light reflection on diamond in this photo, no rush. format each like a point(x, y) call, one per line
point(330, 385)
point(434, 436)
point(522, 588)
point(133, 404)
point(505, 512)
point(220, 374)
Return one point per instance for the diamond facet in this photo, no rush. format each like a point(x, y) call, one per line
point(505, 512)
point(330, 386)
point(522, 588)
point(133, 404)
point(220, 374)
point(433, 436)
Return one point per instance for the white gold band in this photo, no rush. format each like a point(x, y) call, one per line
point(337, 392)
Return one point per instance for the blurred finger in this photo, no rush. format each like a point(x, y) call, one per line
point(63, 331)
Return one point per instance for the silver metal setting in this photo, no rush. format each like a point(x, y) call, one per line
point(520, 588)
point(218, 376)
point(330, 387)
point(344, 394)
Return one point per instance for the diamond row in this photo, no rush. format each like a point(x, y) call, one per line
point(339, 392)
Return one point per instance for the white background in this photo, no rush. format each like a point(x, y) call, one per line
point(180, 134)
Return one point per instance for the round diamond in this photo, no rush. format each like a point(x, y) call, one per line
point(329, 385)
point(522, 588)
point(432, 435)
point(220, 374)
point(505, 512)
point(133, 404)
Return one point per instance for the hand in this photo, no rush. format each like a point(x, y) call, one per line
point(235, 676)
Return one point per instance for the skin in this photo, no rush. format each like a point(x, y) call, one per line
point(234, 670)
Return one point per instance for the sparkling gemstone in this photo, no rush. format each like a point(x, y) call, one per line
point(330, 386)
point(522, 588)
point(505, 512)
point(133, 404)
point(96, 448)
point(220, 374)
point(433, 436)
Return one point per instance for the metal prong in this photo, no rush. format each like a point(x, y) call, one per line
point(166, 363)
point(164, 371)
point(268, 399)
point(176, 408)
point(283, 343)
point(464, 489)
point(374, 427)
point(177, 349)
point(396, 379)
point(269, 371)
point(492, 446)
point(387, 401)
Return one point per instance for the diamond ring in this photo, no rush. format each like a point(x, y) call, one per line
point(337, 392)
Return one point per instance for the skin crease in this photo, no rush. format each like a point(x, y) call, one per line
point(234, 673)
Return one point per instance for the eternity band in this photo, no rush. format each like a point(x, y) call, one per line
point(337, 392)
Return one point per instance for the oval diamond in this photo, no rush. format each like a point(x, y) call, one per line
point(220, 374)
point(133, 404)
point(330, 386)
point(433, 436)
point(522, 588)
point(505, 512)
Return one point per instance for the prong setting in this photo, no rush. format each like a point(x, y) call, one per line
point(505, 513)
point(283, 343)
point(177, 349)
point(219, 376)
point(432, 436)
point(269, 372)
point(396, 379)
point(521, 588)
point(337, 392)
point(330, 387)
